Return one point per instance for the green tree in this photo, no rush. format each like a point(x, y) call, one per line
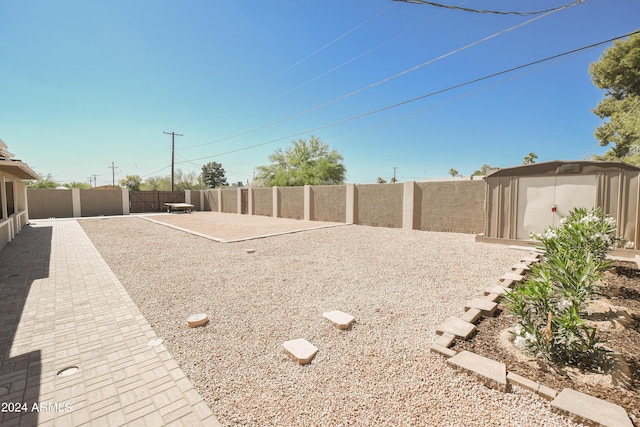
point(530, 158)
point(132, 182)
point(157, 183)
point(75, 184)
point(305, 163)
point(187, 181)
point(213, 175)
point(45, 181)
point(480, 172)
point(618, 73)
point(381, 180)
point(453, 172)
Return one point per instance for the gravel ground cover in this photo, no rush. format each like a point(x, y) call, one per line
point(227, 226)
point(399, 285)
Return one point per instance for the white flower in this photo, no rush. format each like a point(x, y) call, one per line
point(563, 304)
point(610, 221)
point(563, 220)
point(629, 245)
point(550, 234)
point(518, 329)
point(520, 342)
point(529, 337)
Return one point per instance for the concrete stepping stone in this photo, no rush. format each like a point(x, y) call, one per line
point(300, 350)
point(445, 351)
point(589, 409)
point(339, 318)
point(497, 289)
point(484, 305)
point(520, 266)
point(512, 276)
point(445, 340)
point(457, 327)
point(471, 315)
point(530, 258)
point(492, 373)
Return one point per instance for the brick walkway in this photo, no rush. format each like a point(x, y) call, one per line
point(61, 306)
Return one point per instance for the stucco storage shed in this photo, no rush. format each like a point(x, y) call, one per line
point(530, 198)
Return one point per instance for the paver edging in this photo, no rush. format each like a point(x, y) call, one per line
point(444, 342)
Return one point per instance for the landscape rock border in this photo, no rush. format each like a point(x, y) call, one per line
point(494, 374)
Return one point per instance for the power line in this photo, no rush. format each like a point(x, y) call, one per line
point(408, 101)
point(495, 12)
point(334, 40)
point(364, 53)
point(378, 83)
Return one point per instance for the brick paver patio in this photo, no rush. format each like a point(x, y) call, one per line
point(61, 306)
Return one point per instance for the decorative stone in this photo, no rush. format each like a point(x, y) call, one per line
point(471, 315)
point(197, 320)
point(457, 327)
point(589, 409)
point(445, 340)
point(497, 289)
point(300, 350)
point(511, 276)
point(492, 373)
point(341, 319)
point(523, 382)
point(447, 352)
point(484, 305)
point(251, 251)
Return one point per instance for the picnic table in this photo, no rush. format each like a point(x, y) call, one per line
point(185, 207)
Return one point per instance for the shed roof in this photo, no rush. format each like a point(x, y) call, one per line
point(562, 167)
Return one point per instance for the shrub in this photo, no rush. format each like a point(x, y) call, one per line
point(550, 303)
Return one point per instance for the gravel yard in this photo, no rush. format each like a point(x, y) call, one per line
point(399, 285)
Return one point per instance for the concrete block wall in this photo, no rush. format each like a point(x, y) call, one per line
point(291, 202)
point(262, 199)
point(455, 206)
point(229, 200)
point(379, 205)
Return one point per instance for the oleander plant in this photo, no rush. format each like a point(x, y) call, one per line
point(550, 304)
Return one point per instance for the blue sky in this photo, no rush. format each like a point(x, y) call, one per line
point(87, 83)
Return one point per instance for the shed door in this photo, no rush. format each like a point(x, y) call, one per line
point(537, 195)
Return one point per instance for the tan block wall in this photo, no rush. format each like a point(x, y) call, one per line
point(210, 200)
point(100, 202)
point(454, 206)
point(230, 201)
point(291, 202)
point(329, 203)
point(263, 201)
point(379, 205)
point(195, 199)
point(50, 203)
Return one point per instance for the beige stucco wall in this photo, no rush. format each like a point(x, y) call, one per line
point(100, 202)
point(329, 203)
point(379, 205)
point(230, 200)
point(291, 202)
point(210, 200)
point(50, 203)
point(263, 201)
point(455, 206)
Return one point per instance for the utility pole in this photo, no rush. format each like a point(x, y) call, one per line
point(394, 175)
point(113, 174)
point(173, 136)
